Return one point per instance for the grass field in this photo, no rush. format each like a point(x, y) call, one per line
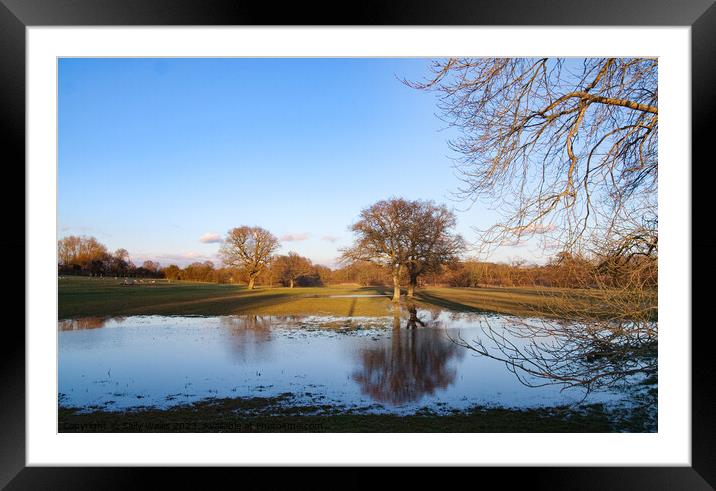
point(95, 297)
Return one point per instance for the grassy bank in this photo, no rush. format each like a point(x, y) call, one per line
point(273, 415)
point(95, 297)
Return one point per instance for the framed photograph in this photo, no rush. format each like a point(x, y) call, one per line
point(421, 236)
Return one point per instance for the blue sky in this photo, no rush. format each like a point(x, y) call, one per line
point(155, 154)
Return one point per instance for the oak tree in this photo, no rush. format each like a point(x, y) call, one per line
point(291, 267)
point(406, 237)
point(249, 248)
point(380, 237)
point(430, 241)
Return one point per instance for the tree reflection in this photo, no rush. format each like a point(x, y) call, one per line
point(588, 355)
point(249, 334)
point(413, 320)
point(414, 364)
point(82, 323)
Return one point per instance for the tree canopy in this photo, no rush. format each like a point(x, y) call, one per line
point(564, 149)
point(404, 236)
point(250, 249)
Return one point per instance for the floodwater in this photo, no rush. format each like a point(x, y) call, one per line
point(404, 363)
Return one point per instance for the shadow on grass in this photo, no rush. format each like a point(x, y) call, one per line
point(235, 304)
point(448, 304)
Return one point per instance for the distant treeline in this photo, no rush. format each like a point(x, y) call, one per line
point(86, 256)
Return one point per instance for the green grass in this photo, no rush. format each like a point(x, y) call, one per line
point(521, 301)
point(95, 297)
point(271, 414)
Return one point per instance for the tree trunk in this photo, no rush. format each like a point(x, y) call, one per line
point(251, 282)
point(290, 284)
point(396, 317)
point(396, 286)
point(412, 283)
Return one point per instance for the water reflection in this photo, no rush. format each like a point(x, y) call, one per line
point(83, 323)
point(249, 335)
point(401, 363)
point(248, 323)
point(590, 356)
point(412, 365)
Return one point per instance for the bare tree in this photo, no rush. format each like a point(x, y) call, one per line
point(249, 248)
point(68, 249)
point(566, 150)
point(588, 355)
point(411, 237)
point(380, 237)
point(563, 148)
point(172, 272)
point(151, 266)
point(430, 242)
point(121, 255)
point(119, 263)
point(80, 251)
point(290, 267)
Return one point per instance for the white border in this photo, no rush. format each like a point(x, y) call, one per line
point(670, 446)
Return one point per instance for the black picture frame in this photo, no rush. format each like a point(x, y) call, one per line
point(16, 15)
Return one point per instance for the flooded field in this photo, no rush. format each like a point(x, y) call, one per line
point(412, 361)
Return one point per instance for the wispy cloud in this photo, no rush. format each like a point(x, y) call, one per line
point(331, 262)
point(294, 237)
point(330, 238)
point(210, 238)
